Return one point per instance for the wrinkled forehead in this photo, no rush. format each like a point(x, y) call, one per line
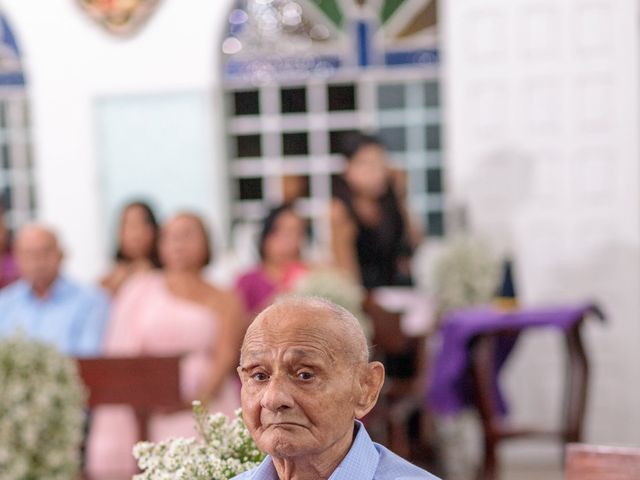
point(294, 332)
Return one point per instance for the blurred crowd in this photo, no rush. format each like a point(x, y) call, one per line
point(156, 300)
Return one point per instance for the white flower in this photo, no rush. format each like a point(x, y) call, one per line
point(41, 412)
point(464, 272)
point(225, 450)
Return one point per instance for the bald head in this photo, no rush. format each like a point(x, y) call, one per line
point(334, 325)
point(39, 257)
point(35, 234)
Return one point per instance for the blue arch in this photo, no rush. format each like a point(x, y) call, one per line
point(9, 48)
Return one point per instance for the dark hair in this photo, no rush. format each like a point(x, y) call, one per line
point(154, 258)
point(269, 224)
point(352, 142)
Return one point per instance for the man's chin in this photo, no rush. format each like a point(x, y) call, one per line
point(282, 441)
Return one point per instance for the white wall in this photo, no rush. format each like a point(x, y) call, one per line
point(71, 63)
point(541, 112)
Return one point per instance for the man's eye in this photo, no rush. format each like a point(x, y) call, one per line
point(259, 376)
point(305, 375)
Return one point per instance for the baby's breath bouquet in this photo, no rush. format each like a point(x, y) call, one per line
point(225, 450)
point(465, 273)
point(41, 412)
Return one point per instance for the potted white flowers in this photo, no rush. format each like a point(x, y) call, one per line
point(41, 412)
point(224, 450)
point(462, 272)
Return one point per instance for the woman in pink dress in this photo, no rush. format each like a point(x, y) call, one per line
point(173, 312)
point(281, 241)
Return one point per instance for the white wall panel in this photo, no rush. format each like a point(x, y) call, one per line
point(550, 88)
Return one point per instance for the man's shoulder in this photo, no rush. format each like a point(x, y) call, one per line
point(392, 466)
point(13, 292)
point(82, 292)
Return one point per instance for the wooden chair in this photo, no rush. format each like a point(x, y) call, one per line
point(495, 429)
point(401, 397)
point(589, 462)
point(146, 384)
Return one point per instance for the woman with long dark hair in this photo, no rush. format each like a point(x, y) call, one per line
point(137, 249)
point(280, 244)
point(370, 233)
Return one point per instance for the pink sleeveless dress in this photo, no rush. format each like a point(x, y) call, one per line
point(148, 319)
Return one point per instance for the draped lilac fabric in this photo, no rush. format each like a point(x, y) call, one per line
point(451, 390)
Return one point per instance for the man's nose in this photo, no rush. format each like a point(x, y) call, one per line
point(276, 396)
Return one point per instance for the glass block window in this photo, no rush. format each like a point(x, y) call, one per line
point(246, 102)
point(293, 100)
point(17, 188)
point(248, 145)
point(341, 97)
point(300, 151)
point(409, 122)
point(295, 143)
point(294, 91)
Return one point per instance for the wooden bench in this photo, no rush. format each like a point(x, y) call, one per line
point(146, 384)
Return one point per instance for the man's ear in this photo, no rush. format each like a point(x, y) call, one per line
point(370, 383)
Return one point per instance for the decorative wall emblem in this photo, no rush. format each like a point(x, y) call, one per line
point(120, 17)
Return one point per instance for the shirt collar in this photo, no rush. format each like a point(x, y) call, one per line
point(57, 289)
point(361, 461)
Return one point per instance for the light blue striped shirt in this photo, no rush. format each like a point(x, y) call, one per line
point(366, 460)
point(72, 318)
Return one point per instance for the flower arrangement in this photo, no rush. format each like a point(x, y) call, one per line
point(464, 272)
point(41, 412)
point(338, 288)
point(225, 450)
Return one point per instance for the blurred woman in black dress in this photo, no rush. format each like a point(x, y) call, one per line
point(371, 237)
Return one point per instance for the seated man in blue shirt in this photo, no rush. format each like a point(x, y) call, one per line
point(44, 305)
point(306, 379)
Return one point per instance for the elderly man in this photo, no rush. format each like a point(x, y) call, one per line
point(306, 379)
point(46, 306)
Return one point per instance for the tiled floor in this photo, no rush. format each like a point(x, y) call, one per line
point(520, 472)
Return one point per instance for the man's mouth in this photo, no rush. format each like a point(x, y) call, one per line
point(284, 425)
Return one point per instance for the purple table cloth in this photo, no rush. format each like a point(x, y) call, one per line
point(451, 389)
